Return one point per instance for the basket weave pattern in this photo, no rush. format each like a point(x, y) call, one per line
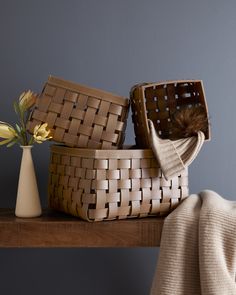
point(80, 116)
point(104, 185)
point(159, 102)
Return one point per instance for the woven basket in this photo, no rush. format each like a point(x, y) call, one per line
point(159, 102)
point(111, 184)
point(80, 116)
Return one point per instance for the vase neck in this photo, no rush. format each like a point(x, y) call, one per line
point(26, 146)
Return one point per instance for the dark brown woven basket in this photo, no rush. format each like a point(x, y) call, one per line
point(111, 184)
point(159, 102)
point(81, 116)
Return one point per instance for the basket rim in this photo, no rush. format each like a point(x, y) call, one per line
point(159, 83)
point(87, 90)
point(103, 154)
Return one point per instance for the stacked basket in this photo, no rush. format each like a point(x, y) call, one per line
point(91, 175)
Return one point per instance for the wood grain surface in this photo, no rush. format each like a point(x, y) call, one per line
point(54, 229)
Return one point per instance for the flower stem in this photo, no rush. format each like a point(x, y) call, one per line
point(31, 141)
point(23, 124)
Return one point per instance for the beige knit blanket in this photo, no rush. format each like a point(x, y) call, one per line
point(198, 248)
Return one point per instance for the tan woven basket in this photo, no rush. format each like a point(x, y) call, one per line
point(159, 102)
point(80, 116)
point(111, 184)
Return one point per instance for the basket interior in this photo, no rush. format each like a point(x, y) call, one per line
point(162, 100)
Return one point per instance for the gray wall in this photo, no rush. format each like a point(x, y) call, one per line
point(112, 45)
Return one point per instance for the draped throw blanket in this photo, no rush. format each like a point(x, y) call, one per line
point(175, 155)
point(198, 248)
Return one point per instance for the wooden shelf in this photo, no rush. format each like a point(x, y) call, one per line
point(54, 229)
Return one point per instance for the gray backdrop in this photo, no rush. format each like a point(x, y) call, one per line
point(112, 45)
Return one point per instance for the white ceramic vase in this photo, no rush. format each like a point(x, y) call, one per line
point(28, 200)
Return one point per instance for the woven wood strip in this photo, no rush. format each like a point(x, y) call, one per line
point(159, 102)
point(81, 116)
point(104, 185)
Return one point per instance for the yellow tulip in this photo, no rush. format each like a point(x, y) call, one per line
point(27, 100)
point(7, 133)
point(41, 133)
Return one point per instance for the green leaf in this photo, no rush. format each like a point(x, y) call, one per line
point(11, 143)
point(18, 128)
point(18, 134)
point(16, 107)
point(5, 141)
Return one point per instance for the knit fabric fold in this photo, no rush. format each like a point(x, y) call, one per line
point(175, 155)
point(198, 248)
